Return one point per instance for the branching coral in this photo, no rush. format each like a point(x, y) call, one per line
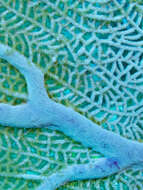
point(41, 111)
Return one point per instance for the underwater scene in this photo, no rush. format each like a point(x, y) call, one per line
point(71, 94)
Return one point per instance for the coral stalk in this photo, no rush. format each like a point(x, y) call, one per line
point(41, 111)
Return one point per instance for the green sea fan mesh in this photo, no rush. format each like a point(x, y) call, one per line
point(92, 55)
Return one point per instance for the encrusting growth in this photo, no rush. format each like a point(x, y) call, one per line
point(41, 111)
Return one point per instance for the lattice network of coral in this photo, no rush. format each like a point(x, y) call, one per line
point(91, 53)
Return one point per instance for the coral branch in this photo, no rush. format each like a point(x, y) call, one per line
point(34, 77)
point(41, 111)
point(14, 116)
point(101, 168)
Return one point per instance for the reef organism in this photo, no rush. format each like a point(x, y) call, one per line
point(40, 111)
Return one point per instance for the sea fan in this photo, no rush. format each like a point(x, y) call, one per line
point(91, 53)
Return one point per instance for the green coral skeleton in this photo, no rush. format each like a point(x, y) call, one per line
point(40, 111)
